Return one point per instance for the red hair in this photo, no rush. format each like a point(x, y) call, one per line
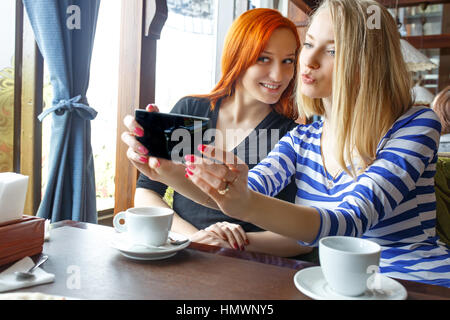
point(245, 41)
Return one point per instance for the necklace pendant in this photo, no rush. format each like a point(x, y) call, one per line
point(330, 184)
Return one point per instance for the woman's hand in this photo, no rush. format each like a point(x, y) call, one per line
point(137, 153)
point(230, 232)
point(225, 183)
point(207, 237)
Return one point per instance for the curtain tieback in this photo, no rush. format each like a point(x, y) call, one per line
point(73, 104)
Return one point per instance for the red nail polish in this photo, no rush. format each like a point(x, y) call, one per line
point(235, 246)
point(150, 107)
point(143, 150)
point(201, 147)
point(187, 177)
point(138, 131)
point(189, 157)
point(189, 172)
point(143, 159)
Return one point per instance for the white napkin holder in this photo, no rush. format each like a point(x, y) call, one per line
point(13, 192)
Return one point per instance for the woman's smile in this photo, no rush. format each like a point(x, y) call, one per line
point(271, 87)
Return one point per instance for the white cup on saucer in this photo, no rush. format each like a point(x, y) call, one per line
point(145, 225)
point(347, 263)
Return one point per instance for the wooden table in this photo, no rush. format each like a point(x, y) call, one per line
point(86, 267)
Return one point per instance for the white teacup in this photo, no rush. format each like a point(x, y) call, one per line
point(348, 262)
point(145, 225)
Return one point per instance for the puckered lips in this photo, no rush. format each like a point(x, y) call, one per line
point(307, 78)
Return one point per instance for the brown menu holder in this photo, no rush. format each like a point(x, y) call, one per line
point(21, 238)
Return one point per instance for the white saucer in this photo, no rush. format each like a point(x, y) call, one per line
point(311, 282)
point(120, 242)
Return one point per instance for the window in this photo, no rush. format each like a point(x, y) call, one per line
point(102, 96)
point(46, 128)
point(186, 51)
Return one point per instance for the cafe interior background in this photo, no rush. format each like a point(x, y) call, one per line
point(183, 58)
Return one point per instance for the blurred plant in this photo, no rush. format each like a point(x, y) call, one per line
point(104, 173)
point(168, 196)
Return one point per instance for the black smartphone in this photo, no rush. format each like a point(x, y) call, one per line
point(171, 136)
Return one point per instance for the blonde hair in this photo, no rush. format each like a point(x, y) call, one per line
point(371, 83)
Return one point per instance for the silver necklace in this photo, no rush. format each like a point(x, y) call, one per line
point(329, 183)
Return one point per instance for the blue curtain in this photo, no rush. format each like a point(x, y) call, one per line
point(64, 31)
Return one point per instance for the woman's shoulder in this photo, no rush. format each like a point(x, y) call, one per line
point(194, 106)
point(294, 127)
point(418, 126)
point(418, 115)
point(308, 130)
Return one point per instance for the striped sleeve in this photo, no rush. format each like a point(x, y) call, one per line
point(273, 173)
point(402, 157)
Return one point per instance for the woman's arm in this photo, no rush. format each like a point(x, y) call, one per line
point(274, 244)
point(262, 241)
point(288, 220)
point(145, 197)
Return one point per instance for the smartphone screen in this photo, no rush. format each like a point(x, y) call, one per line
point(170, 136)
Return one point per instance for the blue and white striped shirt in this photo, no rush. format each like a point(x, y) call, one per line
point(392, 202)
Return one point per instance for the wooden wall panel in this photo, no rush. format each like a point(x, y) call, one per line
point(129, 71)
point(31, 107)
point(141, 24)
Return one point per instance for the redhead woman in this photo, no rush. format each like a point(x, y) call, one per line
point(365, 170)
point(254, 101)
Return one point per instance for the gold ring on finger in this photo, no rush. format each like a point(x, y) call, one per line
point(225, 190)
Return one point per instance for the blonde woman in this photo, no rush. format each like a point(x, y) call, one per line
point(366, 170)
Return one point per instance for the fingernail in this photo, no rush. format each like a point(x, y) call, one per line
point(138, 131)
point(143, 159)
point(154, 163)
point(150, 107)
point(189, 172)
point(201, 147)
point(236, 246)
point(247, 242)
point(186, 175)
point(143, 150)
point(189, 157)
